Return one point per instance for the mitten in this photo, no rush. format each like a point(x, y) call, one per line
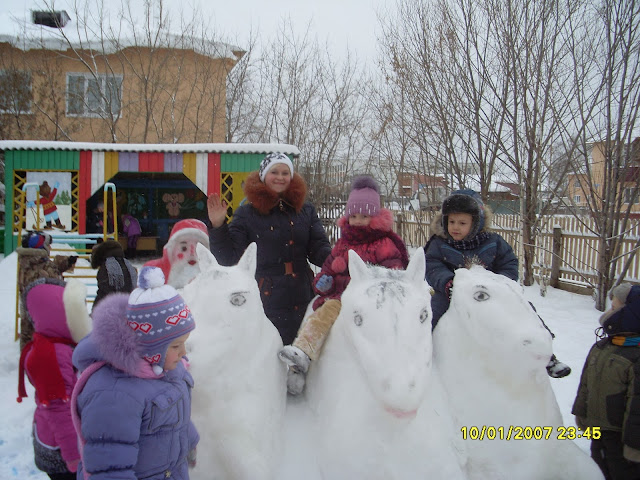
point(191, 458)
point(324, 283)
point(56, 185)
point(447, 288)
point(631, 454)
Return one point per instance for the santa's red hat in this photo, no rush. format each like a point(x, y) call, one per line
point(189, 227)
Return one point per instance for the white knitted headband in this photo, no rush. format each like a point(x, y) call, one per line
point(271, 160)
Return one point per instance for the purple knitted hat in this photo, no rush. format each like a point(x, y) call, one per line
point(364, 197)
point(158, 315)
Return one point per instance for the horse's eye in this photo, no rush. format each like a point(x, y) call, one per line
point(238, 299)
point(357, 319)
point(424, 314)
point(481, 296)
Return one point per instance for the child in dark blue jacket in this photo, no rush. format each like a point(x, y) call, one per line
point(460, 238)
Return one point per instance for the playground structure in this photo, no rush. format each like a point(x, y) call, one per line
point(159, 184)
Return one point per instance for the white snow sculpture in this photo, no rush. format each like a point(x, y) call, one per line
point(491, 350)
point(370, 394)
point(240, 386)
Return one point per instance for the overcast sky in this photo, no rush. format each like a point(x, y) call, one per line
point(338, 22)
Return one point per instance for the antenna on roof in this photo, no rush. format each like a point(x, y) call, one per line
point(50, 18)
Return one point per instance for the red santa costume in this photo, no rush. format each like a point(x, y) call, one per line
point(179, 261)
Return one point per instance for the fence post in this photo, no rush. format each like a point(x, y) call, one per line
point(399, 224)
point(556, 257)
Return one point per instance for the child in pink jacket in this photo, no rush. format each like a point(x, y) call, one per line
point(59, 316)
point(366, 228)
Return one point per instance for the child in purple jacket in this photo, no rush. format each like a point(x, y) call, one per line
point(132, 403)
point(59, 316)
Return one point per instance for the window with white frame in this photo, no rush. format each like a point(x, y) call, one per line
point(15, 91)
point(576, 199)
point(631, 195)
point(93, 95)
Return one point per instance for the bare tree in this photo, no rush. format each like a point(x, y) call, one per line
point(295, 92)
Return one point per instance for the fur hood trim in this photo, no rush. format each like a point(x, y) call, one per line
point(104, 250)
point(263, 199)
point(75, 308)
point(32, 252)
point(115, 341)
point(438, 229)
point(383, 221)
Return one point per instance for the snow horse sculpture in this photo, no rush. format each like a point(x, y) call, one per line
point(371, 394)
point(491, 350)
point(240, 386)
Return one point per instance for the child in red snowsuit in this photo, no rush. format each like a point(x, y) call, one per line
point(365, 228)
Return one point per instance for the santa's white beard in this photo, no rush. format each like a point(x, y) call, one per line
point(182, 273)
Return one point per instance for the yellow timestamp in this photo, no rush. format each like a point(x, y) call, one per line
point(486, 432)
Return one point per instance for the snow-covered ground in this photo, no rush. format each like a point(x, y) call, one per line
point(572, 318)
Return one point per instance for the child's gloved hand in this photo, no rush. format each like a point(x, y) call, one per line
point(56, 185)
point(191, 458)
point(324, 283)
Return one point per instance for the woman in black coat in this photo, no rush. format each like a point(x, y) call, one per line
point(288, 234)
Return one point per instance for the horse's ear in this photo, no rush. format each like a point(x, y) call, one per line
point(357, 268)
point(205, 257)
point(417, 265)
point(248, 261)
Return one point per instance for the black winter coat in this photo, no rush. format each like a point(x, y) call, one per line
point(289, 235)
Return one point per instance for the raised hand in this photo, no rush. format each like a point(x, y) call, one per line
point(217, 210)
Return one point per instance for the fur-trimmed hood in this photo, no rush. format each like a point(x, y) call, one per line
point(438, 229)
point(383, 221)
point(263, 199)
point(32, 252)
point(58, 309)
point(112, 340)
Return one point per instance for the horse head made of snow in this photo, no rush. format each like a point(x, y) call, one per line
point(382, 336)
point(239, 396)
point(372, 378)
point(490, 350)
point(494, 326)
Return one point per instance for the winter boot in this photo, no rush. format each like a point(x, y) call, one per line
point(557, 369)
point(315, 329)
point(298, 363)
point(295, 358)
point(295, 381)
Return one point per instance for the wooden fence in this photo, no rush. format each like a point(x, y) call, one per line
point(566, 248)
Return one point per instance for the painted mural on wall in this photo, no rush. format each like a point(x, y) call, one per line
point(55, 200)
point(181, 203)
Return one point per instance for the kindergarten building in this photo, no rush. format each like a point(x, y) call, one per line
point(159, 184)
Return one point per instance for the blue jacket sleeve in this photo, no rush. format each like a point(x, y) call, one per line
point(110, 423)
point(506, 262)
point(229, 241)
point(437, 273)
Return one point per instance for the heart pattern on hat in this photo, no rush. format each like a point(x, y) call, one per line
point(153, 359)
point(174, 319)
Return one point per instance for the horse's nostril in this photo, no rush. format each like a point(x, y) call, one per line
point(526, 342)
